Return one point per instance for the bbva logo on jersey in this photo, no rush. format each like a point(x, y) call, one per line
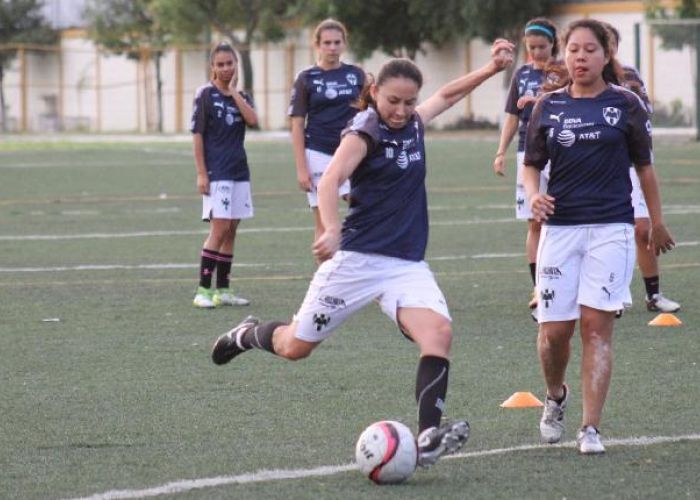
point(612, 115)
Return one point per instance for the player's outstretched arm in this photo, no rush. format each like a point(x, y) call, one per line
point(449, 94)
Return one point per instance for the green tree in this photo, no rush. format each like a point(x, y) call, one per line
point(131, 28)
point(677, 35)
point(21, 22)
point(493, 19)
point(241, 21)
point(395, 27)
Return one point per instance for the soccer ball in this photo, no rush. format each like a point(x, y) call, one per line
point(386, 452)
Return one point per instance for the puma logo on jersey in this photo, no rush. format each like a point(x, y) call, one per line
point(556, 117)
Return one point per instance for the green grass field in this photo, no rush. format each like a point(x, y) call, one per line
point(117, 391)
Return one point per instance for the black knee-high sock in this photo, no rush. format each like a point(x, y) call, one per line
point(223, 271)
point(533, 271)
point(431, 389)
point(652, 285)
point(207, 265)
point(260, 337)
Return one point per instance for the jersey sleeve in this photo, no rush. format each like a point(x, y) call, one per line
point(299, 103)
point(639, 133)
point(513, 96)
point(536, 152)
point(199, 112)
point(366, 125)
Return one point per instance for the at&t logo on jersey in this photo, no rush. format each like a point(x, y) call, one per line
point(566, 138)
point(402, 160)
point(612, 115)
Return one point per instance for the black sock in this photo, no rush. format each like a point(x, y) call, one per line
point(260, 337)
point(652, 285)
point(223, 271)
point(533, 272)
point(206, 267)
point(431, 389)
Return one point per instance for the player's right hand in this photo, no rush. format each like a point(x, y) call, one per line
point(499, 166)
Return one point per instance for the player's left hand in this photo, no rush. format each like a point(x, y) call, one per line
point(502, 53)
point(661, 240)
point(524, 101)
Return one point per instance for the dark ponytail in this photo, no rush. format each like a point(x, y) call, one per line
point(396, 68)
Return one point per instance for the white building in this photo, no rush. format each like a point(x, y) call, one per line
point(77, 87)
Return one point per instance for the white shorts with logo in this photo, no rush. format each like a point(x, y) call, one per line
point(638, 202)
point(522, 207)
point(589, 265)
point(227, 200)
point(317, 163)
point(350, 280)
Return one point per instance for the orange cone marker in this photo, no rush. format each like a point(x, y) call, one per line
point(522, 400)
point(665, 319)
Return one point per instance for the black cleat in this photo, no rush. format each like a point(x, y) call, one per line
point(227, 346)
point(436, 442)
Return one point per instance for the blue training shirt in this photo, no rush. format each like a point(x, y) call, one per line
point(590, 142)
point(388, 212)
point(221, 124)
point(526, 81)
point(324, 98)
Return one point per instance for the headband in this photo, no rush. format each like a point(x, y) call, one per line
point(543, 29)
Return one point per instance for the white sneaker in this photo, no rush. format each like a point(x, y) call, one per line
point(552, 424)
point(588, 441)
point(659, 303)
point(226, 297)
point(203, 298)
point(436, 442)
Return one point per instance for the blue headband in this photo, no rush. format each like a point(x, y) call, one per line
point(543, 29)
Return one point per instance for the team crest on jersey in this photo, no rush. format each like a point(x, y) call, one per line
point(351, 78)
point(612, 115)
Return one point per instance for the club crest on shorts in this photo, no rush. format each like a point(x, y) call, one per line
point(612, 115)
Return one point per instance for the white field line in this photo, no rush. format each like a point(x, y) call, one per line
point(188, 232)
point(261, 476)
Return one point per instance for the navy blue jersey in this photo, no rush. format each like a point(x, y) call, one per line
point(221, 124)
point(324, 98)
point(527, 81)
point(590, 142)
point(632, 81)
point(388, 212)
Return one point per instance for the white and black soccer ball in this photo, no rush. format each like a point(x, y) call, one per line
point(386, 452)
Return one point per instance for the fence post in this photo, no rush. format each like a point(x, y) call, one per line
point(23, 88)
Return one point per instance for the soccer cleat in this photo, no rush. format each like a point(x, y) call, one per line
point(533, 300)
point(203, 298)
point(552, 424)
point(436, 442)
point(228, 345)
point(659, 303)
point(225, 297)
point(588, 440)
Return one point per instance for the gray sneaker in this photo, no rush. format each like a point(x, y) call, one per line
point(228, 345)
point(588, 440)
point(552, 424)
point(436, 442)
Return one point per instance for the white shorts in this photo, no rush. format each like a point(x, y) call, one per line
point(317, 163)
point(638, 202)
point(584, 265)
point(227, 200)
point(351, 280)
point(522, 207)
